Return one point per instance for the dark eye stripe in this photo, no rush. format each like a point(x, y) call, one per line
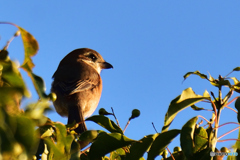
point(92, 56)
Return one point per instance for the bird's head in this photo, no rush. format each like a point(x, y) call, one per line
point(90, 57)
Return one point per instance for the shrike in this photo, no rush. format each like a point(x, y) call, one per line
point(78, 85)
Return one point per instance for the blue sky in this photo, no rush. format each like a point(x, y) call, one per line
point(151, 45)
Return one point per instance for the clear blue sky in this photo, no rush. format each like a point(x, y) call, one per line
point(151, 45)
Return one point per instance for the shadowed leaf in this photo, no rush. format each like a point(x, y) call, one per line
point(107, 142)
point(237, 106)
point(161, 142)
point(106, 123)
point(236, 69)
point(194, 107)
point(139, 148)
point(186, 137)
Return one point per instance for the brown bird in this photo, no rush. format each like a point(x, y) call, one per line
point(78, 85)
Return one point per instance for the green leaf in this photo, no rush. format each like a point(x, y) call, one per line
point(237, 144)
point(88, 135)
point(106, 123)
point(219, 82)
point(203, 155)
point(39, 85)
point(196, 108)
point(36, 111)
point(236, 69)
point(186, 137)
point(107, 142)
point(11, 77)
point(186, 99)
point(25, 133)
point(235, 80)
point(161, 142)
point(62, 147)
point(4, 55)
point(139, 148)
point(203, 76)
point(30, 48)
point(118, 154)
point(200, 139)
point(177, 155)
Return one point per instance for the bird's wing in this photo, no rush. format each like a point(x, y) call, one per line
point(76, 86)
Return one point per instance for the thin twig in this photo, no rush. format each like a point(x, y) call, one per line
point(228, 132)
point(226, 124)
point(232, 139)
point(115, 117)
point(170, 153)
point(204, 118)
point(126, 126)
point(231, 109)
point(8, 42)
point(215, 111)
point(232, 101)
point(154, 127)
point(228, 74)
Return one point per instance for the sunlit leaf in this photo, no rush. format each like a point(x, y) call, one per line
point(106, 123)
point(186, 137)
point(203, 76)
point(161, 142)
point(117, 154)
point(235, 80)
point(200, 139)
point(30, 48)
point(107, 142)
point(186, 99)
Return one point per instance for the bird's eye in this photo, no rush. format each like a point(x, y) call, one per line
point(92, 56)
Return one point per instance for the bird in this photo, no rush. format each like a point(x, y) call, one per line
point(78, 85)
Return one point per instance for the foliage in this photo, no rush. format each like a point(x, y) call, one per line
point(29, 134)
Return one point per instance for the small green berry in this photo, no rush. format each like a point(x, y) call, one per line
point(17, 33)
point(102, 111)
point(224, 149)
point(135, 113)
point(177, 149)
point(52, 97)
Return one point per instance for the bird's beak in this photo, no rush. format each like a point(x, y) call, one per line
point(105, 65)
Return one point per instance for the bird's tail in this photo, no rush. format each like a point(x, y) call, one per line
point(75, 114)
